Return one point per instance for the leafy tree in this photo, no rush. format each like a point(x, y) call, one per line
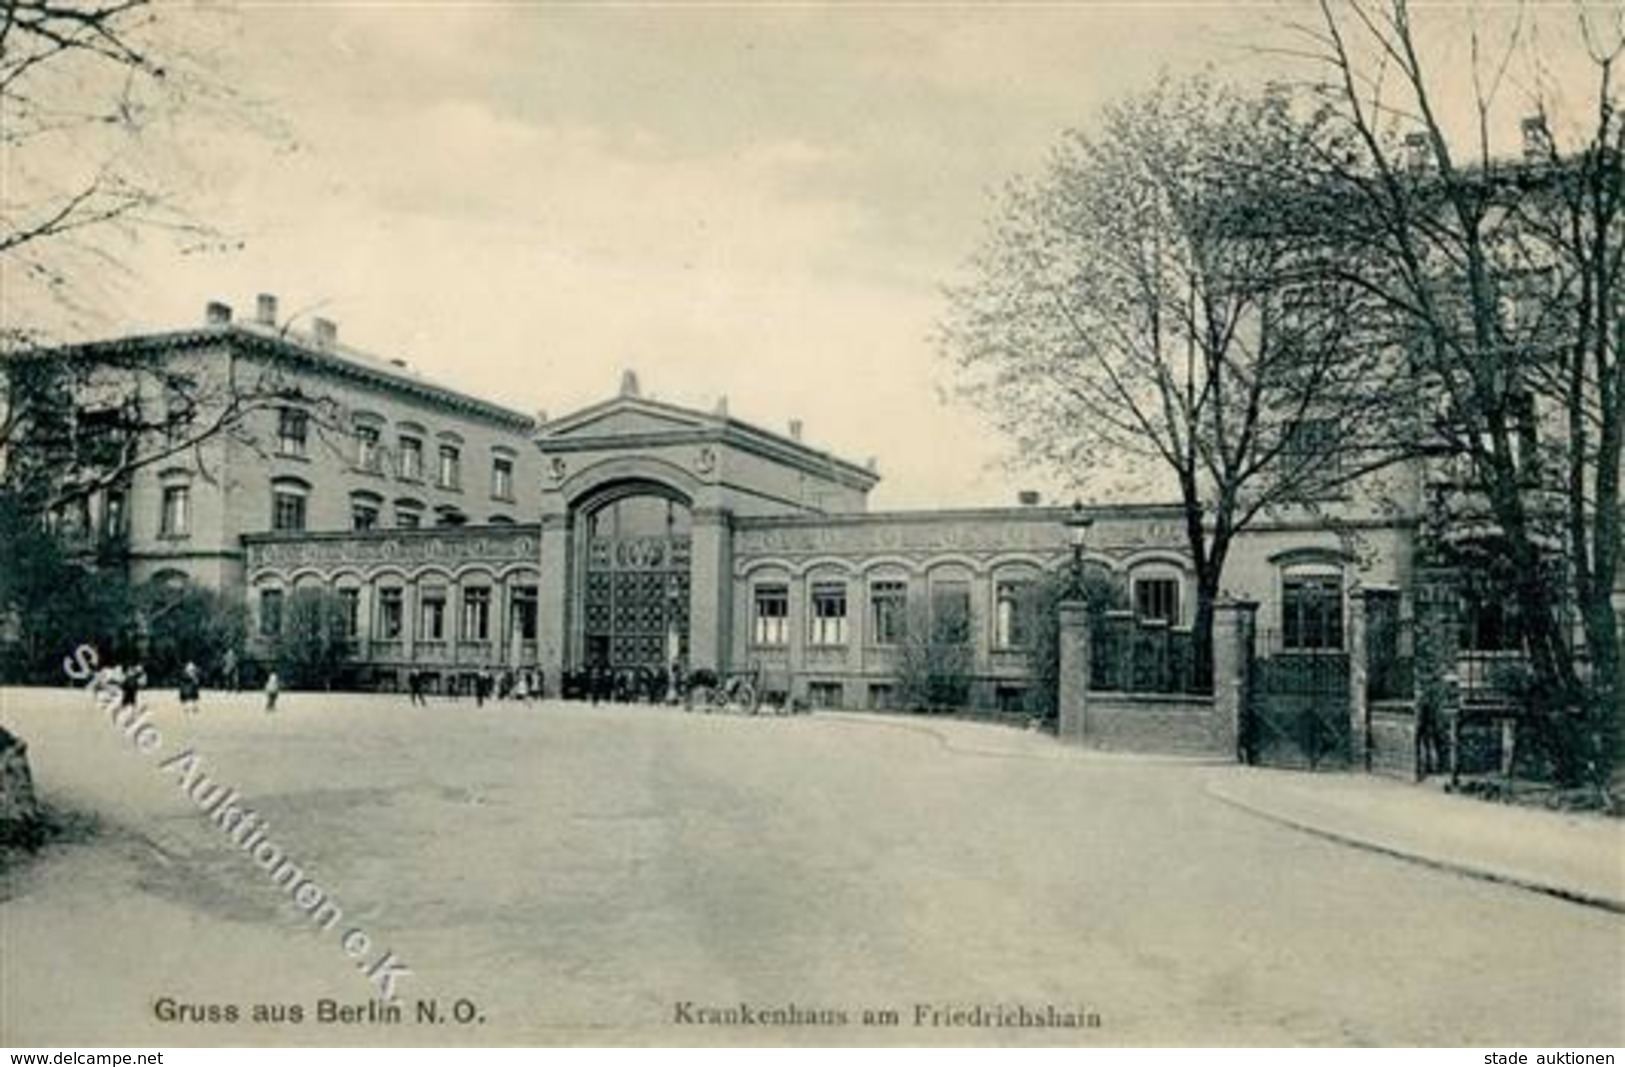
point(51, 601)
point(1504, 265)
point(1150, 305)
point(937, 659)
point(1102, 591)
point(315, 639)
point(188, 624)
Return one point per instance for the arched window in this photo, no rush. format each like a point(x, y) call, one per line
point(364, 510)
point(288, 504)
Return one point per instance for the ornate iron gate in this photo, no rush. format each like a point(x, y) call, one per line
point(635, 603)
point(1298, 714)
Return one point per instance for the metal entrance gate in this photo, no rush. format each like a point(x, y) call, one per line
point(1298, 711)
point(635, 602)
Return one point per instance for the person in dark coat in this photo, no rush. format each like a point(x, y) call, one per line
point(130, 686)
point(191, 683)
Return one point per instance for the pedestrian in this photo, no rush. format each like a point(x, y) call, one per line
point(130, 685)
point(479, 690)
point(521, 690)
point(191, 682)
point(414, 684)
point(273, 686)
point(229, 672)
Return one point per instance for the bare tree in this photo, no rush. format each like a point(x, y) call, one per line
point(1505, 269)
point(84, 89)
point(77, 421)
point(1154, 303)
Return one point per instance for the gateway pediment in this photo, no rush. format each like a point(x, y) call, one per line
point(621, 419)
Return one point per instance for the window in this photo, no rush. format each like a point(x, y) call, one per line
point(408, 514)
point(524, 612)
point(828, 614)
point(270, 612)
point(825, 695)
point(950, 613)
point(411, 458)
point(176, 518)
point(446, 516)
point(1157, 599)
point(1312, 450)
point(502, 478)
point(432, 615)
point(350, 612)
point(1013, 614)
point(113, 514)
point(71, 519)
point(1010, 699)
point(882, 696)
point(363, 515)
point(888, 607)
point(287, 509)
point(772, 615)
point(366, 448)
point(390, 612)
point(1312, 610)
point(477, 613)
point(180, 407)
point(450, 476)
point(292, 428)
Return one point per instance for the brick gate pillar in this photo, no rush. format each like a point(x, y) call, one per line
point(1234, 624)
point(1072, 689)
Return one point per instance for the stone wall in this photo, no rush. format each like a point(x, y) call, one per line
point(1393, 740)
point(1155, 725)
point(19, 808)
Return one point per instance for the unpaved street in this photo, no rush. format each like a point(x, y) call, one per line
point(619, 874)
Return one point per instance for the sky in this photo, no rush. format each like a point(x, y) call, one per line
point(762, 201)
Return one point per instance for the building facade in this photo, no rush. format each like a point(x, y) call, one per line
point(460, 537)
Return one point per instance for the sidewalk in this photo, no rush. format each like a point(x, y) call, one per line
point(1577, 857)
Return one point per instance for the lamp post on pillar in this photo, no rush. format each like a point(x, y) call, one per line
point(1077, 534)
point(1072, 690)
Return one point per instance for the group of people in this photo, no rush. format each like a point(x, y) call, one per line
point(131, 678)
point(601, 683)
point(519, 685)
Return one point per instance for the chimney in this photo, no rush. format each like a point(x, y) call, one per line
point(326, 331)
point(795, 429)
point(629, 382)
point(265, 309)
point(217, 314)
point(871, 464)
point(721, 410)
point(541, 416)
point(1029, 498)
point(1418, 151)
point(1537, 140)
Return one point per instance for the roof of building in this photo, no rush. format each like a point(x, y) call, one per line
point(330, 356)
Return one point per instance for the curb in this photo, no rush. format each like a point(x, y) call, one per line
point(1481, 873)
point(1058, 750)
